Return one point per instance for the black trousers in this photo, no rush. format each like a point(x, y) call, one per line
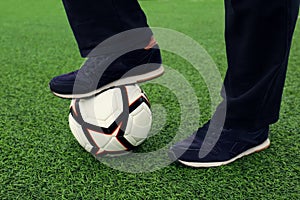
point(258, 36)
point(93, 21)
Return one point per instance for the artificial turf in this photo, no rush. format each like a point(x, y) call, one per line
point(40, 158)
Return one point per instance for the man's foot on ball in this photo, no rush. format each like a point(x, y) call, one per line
point(210, 147)
point(103, 72)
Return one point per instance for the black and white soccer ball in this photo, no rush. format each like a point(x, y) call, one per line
point(113, 122)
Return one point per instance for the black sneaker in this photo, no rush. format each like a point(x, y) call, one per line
point(211, 147)
point(133, 67)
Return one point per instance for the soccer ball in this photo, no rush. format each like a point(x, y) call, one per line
point(113, 122)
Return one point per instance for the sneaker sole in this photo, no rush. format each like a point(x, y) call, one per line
point(258, 148)
point(123, 81)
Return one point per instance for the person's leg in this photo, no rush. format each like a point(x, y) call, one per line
point(258, 40)
point(93, 21)
point(115, 37)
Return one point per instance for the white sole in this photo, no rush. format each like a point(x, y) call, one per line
point(258, 148)
point(123, 81)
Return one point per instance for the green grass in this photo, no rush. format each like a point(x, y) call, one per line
point(40, 159)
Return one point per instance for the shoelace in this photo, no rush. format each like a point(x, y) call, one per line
point(94, 64)
point(93, 69)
